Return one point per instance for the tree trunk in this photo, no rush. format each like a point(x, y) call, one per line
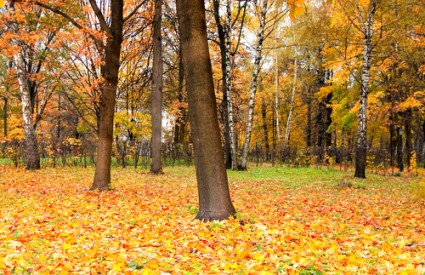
point(361, 145)
point(228, 75)
point(276, 107)
point(223, 52)
point(32, 156)
point(213, 188)
point(408, 131)
point(309, 121)
point(423, 141)
point(253, 88)
point(400, 149)
point(179, 129)
point(102, 176)
point(156, 167)
point(393, 140)
point(265, 130)
point(291, 108)
point(5, 110)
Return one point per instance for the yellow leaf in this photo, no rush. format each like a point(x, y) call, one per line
point(354, 260)
point(257, 256)
point(66, 246)
point(1, 3)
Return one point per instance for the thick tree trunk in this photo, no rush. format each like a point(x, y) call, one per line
point(361, 145)
point(291, 108)
point(156, 167)
point(254, 81)
point(102, 176)
point(213, 188)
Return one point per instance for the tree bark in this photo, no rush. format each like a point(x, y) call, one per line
point(400, 149)
point(361, 145)
point(423, 141)
point(179, 129)
point(102, 177)
point(408, 131)
point(156, 167)
point(225, 116)
point(253, 88)
point(265, 130)
point(5, 110)
point(213, 188)
point(228, 75)
point(291, 108)
point(276, 106)
point(32, 156)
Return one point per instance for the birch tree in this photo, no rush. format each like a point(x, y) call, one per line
point(366, 22)
point(253, 88)
point(29, 58)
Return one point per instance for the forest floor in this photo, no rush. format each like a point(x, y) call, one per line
point(289, 221)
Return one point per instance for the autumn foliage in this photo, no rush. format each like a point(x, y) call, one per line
point(290, 221)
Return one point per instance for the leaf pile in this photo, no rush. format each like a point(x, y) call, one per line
point(51, 223)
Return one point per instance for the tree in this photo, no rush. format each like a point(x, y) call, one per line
point(31, 46)
point(156, 167)
point(213, 188)
point(253, 88)
point(109, 23)
point(367, 30)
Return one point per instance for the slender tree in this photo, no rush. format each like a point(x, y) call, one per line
point(213, 188)
point(361, 145)
point(253, 88)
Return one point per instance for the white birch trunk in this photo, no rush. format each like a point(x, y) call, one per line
point(228, 33)
point(253, 88)
point(291, 108)
point(361, 145)
point(32, 157)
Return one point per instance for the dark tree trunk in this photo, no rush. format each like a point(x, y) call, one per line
point(213, 188)
point(156, 167)
point(423, 142)
point(400, 149)
point(309, 122)
point(408, 131)
point(102, 177)
point(5, 110)
point(265, 129)
point(393, 140)
point(179, 129)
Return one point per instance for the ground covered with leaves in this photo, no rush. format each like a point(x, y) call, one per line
point(290, 221)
